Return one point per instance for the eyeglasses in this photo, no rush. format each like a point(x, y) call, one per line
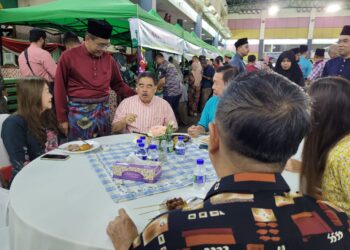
point(342, 41)
point(102, 45)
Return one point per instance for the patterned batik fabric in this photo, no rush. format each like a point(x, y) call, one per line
point(88, 120)
point(250, 211)
point(336, 176)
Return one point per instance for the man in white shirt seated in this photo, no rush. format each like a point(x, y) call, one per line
point(141, 112)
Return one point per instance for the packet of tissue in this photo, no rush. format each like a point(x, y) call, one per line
point(135, 169)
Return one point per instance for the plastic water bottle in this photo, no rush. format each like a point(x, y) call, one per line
point(153, 153)
point(141, 153)
point(199, 178)
point(180, 148)
point(137, 146)
point(143, 138)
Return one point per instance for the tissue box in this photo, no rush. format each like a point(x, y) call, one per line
point(148, 171)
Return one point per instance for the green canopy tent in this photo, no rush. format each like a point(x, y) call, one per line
point(71, 15)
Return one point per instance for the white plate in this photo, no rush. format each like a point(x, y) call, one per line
point(95, 145)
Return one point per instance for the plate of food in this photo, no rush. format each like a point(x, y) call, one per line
point(175, 136)
point(79, 147)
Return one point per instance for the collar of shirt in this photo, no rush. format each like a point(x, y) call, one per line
point(250, 183)
point(238, 55)
point(146, 104)
point(316, 63)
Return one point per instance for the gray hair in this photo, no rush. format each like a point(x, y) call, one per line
point(263, 116)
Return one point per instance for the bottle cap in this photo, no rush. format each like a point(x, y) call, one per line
point(200, 161)
point(180, 138)
point(143, 137)
point(139, 141)
point(141, 145)
point(152, 146)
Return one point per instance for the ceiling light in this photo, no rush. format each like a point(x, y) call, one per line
point(333, 7)
point(273, 10)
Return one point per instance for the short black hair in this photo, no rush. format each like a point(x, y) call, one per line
point(70, 37)
point(229, 72)
point(303, 48)
point(251, 58)
point(35, 34)
point(219, 59)
point(147, 74)
point(158, 54)
point(170, 59)
point(263, 116)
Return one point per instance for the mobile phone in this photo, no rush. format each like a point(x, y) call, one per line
point(54, 157)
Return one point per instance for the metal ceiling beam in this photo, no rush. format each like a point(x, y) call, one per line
point(255, 6)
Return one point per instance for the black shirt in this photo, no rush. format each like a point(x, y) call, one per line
point(252, 211)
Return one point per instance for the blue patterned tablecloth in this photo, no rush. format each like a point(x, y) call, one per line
point(176, 173)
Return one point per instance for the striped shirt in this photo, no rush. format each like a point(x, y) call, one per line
point(157, 112)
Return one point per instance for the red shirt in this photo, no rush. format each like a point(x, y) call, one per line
point(82, 75)
point(251, 68)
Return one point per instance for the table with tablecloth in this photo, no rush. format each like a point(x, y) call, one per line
point(67, 205)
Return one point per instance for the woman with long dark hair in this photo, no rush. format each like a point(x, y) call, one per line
point(326, 153)
point(288, 67)
point(32, 130)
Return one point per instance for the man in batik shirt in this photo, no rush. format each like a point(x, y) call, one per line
point(250, 207)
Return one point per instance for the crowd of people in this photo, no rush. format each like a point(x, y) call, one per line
point(256, 115)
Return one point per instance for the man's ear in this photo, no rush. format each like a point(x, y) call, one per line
point(214, 139)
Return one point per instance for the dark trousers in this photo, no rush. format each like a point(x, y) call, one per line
point(174, 102)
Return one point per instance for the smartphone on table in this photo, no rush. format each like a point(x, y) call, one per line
point(57, 157)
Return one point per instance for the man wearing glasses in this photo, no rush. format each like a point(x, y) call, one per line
point(83, 79)
point(340, 66)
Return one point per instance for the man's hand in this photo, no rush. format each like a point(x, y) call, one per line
point(122, 231)
point(130, 118)
point(64, 128)
point(194, 131)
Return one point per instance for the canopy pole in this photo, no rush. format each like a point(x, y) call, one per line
point(1, 55)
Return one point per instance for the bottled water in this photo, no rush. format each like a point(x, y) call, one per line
point(199, 178)
point(144, 141)
point(141, 153)
point(137, 146)
point(180, 148)
point(153, 153)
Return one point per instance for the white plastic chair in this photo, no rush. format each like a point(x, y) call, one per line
point(4, 203)
point(4, 158)
point(4, 229)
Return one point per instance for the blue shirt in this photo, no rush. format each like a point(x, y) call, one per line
point(337, 67)
point(208, 71)
point(208, 114)
point(306, 66)
point(237, 62)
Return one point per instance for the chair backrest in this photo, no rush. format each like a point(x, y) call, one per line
point(4, 158)
point(4, 202)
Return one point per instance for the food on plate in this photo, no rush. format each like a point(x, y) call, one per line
point(77, 147)
point(85, 147)
point(175, 203)
point(73, 147)
point(175, 138)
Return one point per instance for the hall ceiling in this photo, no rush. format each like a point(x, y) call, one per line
point(255, 6)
